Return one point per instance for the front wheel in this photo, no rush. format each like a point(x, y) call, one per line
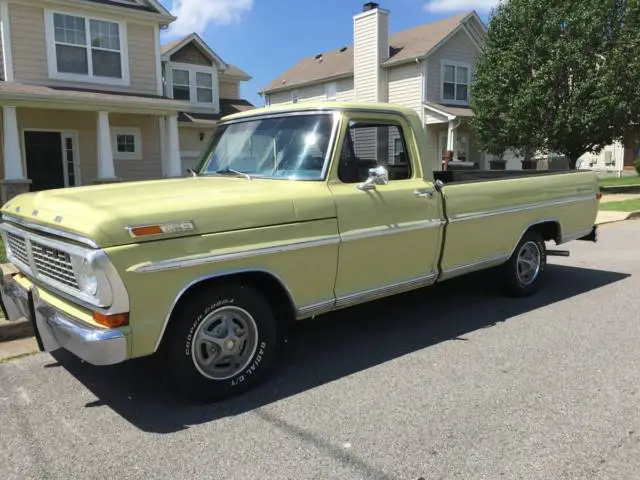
point(524, 272)
point(220, 343)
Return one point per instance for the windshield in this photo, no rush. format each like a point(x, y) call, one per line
point(291, 147)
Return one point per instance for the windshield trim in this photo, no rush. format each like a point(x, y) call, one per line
point(337, 116)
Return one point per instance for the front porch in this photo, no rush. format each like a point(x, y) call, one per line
point(451, 139)
point(55, 138)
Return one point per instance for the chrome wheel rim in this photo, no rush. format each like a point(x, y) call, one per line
point(224, 343)
point(528, 264)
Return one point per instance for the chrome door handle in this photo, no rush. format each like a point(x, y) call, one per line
point(423, 193)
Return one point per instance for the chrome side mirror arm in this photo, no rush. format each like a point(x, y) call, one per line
point(377, 176)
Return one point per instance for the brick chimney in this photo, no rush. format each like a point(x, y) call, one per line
point(371, 49)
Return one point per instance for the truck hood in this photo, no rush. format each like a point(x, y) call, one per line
point(215, 204)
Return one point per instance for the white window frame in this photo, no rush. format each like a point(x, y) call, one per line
point(452, 63)
point(52, 60)
point(193, 92)
point(136, 132)
point(331, 91)
point(295, 96)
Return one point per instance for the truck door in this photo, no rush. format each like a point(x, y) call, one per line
point(390, 233)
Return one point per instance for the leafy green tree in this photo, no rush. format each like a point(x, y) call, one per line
point(554, 76)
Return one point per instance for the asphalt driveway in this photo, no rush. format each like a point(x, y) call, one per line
point(448, 382)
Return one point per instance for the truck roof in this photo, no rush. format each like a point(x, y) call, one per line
point(323, 105)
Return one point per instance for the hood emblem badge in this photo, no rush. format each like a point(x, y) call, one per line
point(17, 209)
point(58, 219)
point(34, 213)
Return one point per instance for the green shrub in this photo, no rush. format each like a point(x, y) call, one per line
point(637, 165)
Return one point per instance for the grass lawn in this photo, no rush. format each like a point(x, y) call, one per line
point(611, 182)
point(623, 206)
point(3, 257)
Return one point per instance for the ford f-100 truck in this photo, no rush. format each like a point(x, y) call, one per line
point(293, 212)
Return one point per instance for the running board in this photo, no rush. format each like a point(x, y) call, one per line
point(558, 253)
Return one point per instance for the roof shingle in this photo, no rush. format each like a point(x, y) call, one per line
point(404, 46)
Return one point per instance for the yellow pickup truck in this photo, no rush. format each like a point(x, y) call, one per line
point(293, 212)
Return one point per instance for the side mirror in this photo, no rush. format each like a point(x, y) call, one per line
point(377, 176)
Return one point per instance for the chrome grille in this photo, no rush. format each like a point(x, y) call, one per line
point(18, 246)
point(54, 264)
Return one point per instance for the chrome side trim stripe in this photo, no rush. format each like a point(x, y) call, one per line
point(390, 230)
point(521, 208)
point(472, 267)
point(315, 309)
point(387, 290)
point(365, 296)
point(203, 259)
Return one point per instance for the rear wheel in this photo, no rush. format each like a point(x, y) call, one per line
point(524, 272)
point(220, 343)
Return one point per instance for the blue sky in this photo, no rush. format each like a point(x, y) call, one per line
point(265, 37)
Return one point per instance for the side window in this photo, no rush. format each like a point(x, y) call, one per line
point(369, 145)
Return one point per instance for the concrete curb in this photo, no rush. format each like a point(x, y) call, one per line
point(628, 216)
point(15, 330)
point(620, 189)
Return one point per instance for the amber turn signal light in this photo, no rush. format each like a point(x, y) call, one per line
point(111, 321)
point(147, 230)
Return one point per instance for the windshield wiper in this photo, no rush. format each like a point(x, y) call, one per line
point(227, 171)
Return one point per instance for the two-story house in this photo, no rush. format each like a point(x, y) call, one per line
point(85, 98)
point(194, 73)
point(428, 68)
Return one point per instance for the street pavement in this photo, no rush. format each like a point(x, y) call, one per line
point(449, 382)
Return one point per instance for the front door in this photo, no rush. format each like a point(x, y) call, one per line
point(389, 235)
point(51, 159)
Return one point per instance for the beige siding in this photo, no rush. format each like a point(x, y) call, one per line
point(2, 74)
point(190, 138)
point(151, 164)
point(316, 93)
point(229, 89)
point(29, 44)
point(367, 70)
point(85, 125)
point(142, 60)
point(459, 48)
point(30, 61)
point(345, 90)
point(405, 86)
point(191, 54)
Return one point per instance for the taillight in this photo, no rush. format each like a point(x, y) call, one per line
point(598, 196)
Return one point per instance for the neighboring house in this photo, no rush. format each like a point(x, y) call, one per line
point(428, 68)
point(83, 96)
point(194, 73)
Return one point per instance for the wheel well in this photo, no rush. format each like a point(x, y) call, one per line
point(267, 284)
point(549, 230)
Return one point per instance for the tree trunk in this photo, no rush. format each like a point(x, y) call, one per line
point(572, 160)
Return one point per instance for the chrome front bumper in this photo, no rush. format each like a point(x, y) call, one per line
point(54, 329)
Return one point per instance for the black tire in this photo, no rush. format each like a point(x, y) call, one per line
point(511, 281)
point(178, 357)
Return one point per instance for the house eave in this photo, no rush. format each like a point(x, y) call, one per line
point(54, 102)
point(132, 14)
point(319, 81)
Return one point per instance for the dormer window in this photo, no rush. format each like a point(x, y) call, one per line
point(86, 49)
point(193, 83)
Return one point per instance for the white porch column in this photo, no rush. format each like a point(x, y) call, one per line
point(174, 162)
point(451, 139)
point(106, 169)
point(12, 155)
